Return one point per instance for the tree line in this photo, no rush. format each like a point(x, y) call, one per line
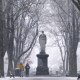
point(19, 28)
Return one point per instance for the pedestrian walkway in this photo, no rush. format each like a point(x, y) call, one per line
point(40, 78)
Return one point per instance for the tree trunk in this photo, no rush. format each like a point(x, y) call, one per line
point(67, 62)
point(1, 66)
point(1, 41)
point(72, 63)
point(10, 65)
point(64, 67)
point(10, 54)
point(74, 39)
point(10, 24)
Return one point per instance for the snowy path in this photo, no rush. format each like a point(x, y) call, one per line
point(39, 78)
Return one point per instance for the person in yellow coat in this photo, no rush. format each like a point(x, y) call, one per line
point(21, 67)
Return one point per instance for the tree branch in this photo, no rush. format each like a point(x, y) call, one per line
point(77, 4)
point(28, 47)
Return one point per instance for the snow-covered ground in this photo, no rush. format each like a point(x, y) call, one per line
point(40, 78)
point(6, 78)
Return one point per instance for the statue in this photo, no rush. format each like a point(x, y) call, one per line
point(42, 68)
point(42, 41)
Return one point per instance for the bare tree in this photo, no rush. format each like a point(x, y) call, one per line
point(12, 18)
point(26, 34)
point(59, 41)
point(70, 28)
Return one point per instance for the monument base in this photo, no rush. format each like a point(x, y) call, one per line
point(42, 68)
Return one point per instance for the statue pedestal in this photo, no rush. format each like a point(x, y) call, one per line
point(42, 68)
